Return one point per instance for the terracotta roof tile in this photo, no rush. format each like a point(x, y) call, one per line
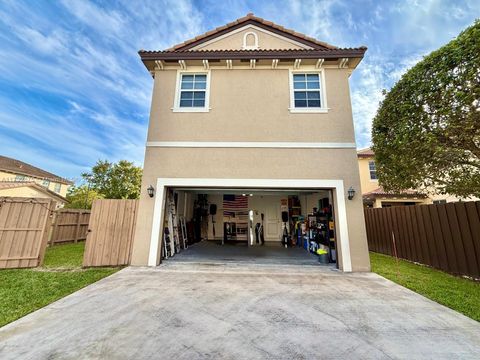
point(21, 168)
point(405, 193)
point(252, 17)
point(365, 153)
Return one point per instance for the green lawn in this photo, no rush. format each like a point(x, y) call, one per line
point(462, 295)
point(25, 290)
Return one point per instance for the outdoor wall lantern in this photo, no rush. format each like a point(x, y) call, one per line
point(351, 193)
point(151, 191)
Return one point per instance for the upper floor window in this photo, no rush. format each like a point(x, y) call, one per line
point(307, 92)
point(373, 170)
point(57, 187)
point(20, 178)
point(46, 183)
point(192, 92)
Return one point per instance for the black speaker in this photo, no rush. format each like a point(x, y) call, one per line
point(284, 216)
point(213, 209)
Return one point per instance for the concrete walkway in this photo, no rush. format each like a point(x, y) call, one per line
point(188, 310)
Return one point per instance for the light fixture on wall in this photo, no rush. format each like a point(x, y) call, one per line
point(351, 193)
point(151, 191)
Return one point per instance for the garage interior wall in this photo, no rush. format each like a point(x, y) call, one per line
point(266, 204)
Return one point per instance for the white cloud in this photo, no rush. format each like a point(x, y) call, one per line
point(106, 22)
point(44, 43)
point(366, 95)
point(74, 84)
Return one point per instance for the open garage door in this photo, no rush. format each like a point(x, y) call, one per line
point(247, 218)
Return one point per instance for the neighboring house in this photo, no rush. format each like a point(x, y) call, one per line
point(19, 179)
point(375, 196)
point(251, 110)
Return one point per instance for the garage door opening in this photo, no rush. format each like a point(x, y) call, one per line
point(288, 226)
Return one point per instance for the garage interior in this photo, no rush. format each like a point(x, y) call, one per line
point(256, 225)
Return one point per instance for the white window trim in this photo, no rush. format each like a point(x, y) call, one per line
point(323, 92)
point(369, 171)
point(250, 47)
point(176, 103)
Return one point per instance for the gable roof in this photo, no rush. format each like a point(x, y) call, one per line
point(368, 152)
point(17, 184)
point(317, 49)
point(251, 19)
point(21, 168)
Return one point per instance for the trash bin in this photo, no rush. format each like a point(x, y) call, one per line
point(322, 256)
point(323, 259)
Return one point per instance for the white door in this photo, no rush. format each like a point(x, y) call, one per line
point(272, 220)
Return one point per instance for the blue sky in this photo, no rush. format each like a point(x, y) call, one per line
point(73, 89)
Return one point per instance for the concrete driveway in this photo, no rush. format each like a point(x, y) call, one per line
point(187, 310)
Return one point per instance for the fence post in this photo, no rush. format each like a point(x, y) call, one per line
point(77, 228)
point(55, 228)
point(48, 224)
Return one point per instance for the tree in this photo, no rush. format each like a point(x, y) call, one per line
point(120, 180)
point(81, 197)
point(426, 133)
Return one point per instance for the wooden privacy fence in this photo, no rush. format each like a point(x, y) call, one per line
point(24, 225)
point(70, 225)
point(444, 236)
point(110, 233)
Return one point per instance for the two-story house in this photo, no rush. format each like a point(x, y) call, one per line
point(375, 196)
point(251, 128)
point(19, 179)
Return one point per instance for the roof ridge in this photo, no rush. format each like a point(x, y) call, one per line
point(251, 16)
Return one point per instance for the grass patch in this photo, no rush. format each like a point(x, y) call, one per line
point(460, 294)
point(25, 290)
point(64, 256)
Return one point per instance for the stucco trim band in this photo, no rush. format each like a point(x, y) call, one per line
point(250, 144)
point(336, 185)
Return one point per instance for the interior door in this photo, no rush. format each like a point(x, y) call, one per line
point(272, 220)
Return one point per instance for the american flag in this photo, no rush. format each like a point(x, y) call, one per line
point(235, 202)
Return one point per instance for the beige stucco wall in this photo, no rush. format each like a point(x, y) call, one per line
point(253, 163)
point(370, 185)
point(367, 183)
point(4, 176)
point(24, 191)
point(265, 41)
point(29, 192)
point(252, 105)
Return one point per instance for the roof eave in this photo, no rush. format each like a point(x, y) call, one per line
point(250, 54)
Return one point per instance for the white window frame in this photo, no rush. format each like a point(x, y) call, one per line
point(176, 104)
point(57, 188)
point(370, 172)
point(255, 42)
point(323, 92)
